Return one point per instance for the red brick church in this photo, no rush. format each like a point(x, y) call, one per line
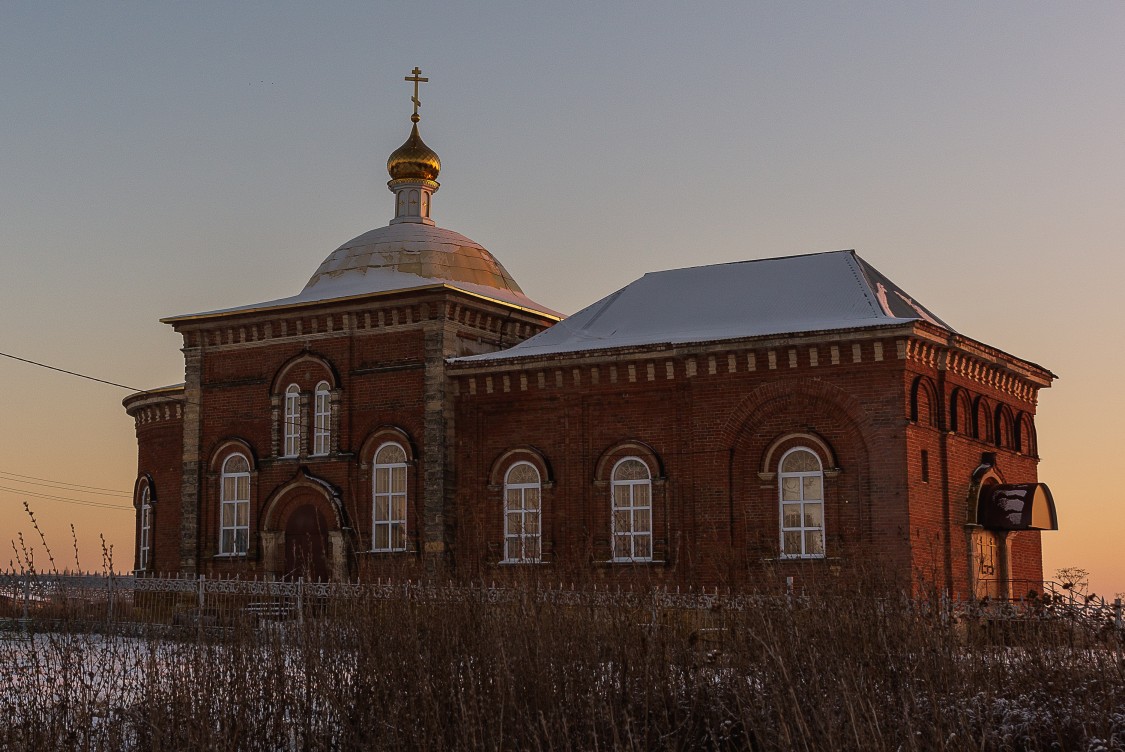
point(411, 411)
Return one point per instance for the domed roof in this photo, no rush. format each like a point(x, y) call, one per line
point(414, 160)
point(408, 255)
point(411, 252)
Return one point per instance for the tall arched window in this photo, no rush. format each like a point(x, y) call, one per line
point(523, 527)
point(144, 544)
point(292, 421)
point(322, 419)
point(631, 487)
point(388, 532)
point(801, 490)
point(234, 506)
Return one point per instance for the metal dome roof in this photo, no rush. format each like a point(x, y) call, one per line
point(401, 256)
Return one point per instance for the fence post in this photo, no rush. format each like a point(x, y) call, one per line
point(202, 579)
point(109, 605)
point(26, 600)
point(300, 599)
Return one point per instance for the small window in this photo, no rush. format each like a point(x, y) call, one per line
point(234, 507)
point(523, 521)
point(144, 545)
point(388, 531)
point(631, 520)
point(801, 492)
point(322, 419)
point(925, 466)
point(292, 421)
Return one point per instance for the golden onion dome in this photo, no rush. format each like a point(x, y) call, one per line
point(414, 160)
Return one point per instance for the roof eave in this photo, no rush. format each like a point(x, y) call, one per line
point(759, 340)
point(191, 318)
point(1026, 369)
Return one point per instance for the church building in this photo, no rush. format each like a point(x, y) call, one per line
point(412, 412)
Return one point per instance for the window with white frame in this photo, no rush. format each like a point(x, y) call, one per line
point(523, 522)
point(322, 419)
point(631, 489)
point(801, 492)
point(144, 545)
point(234, 506)
point(388, 532)
point(292, 421)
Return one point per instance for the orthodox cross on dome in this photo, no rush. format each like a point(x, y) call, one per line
point(417, 79)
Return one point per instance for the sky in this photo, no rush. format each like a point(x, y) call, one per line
point(164, 158)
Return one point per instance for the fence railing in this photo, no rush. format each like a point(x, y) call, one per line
point(191, 600)
point(184, 598)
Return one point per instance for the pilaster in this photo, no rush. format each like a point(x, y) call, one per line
point(191, 484)
point(434, 454)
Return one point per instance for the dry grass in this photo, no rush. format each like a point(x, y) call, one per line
point(845, 668)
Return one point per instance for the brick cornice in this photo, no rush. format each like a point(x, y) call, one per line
point(638, 353)
point(475, 318)
point(977, 362)
point(168, 399)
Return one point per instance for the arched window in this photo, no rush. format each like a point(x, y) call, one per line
point(292, 421)
point(631, 488)
point(523, 537)
point(234, 507)
point(144, 544)
point(322, 419)
point(388, 531)
point(801, 491)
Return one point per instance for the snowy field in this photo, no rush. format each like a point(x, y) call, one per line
point(428, 670)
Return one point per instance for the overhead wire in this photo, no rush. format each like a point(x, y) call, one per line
point(78, 487)
point(80, 375)
point(67, 500)
point(69, 373)
point(32, 480)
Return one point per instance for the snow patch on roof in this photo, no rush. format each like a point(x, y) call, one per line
point(815, 292)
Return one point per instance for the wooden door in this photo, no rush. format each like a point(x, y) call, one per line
point(306, 545)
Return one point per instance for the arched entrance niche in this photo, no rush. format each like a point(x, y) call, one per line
point(302, 531)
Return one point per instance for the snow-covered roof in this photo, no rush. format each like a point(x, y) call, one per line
point(404, 256)
point(823, 291)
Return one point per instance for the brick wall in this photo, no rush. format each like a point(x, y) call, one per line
point(718, 421)
point(382, 359)
point(159, 426)
point(711, 422)
point(711, 418)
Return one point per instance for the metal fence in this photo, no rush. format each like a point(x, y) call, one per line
point(185, 600)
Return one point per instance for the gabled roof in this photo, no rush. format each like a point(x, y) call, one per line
point(816, 292)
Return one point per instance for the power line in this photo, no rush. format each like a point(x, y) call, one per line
point(48, 482)
point(131, 388)
point(66, 500)
point(70, 373)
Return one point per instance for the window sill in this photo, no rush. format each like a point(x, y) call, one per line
point(632, 563)
point(231, 556)
point(523, 562)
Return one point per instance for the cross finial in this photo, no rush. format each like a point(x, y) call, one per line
point(417, 79)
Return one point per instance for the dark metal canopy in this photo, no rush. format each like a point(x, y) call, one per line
point(1016, 506)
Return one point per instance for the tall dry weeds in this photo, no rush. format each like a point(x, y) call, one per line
point(851, 667)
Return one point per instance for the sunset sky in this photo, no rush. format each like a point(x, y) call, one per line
point(159, 159)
